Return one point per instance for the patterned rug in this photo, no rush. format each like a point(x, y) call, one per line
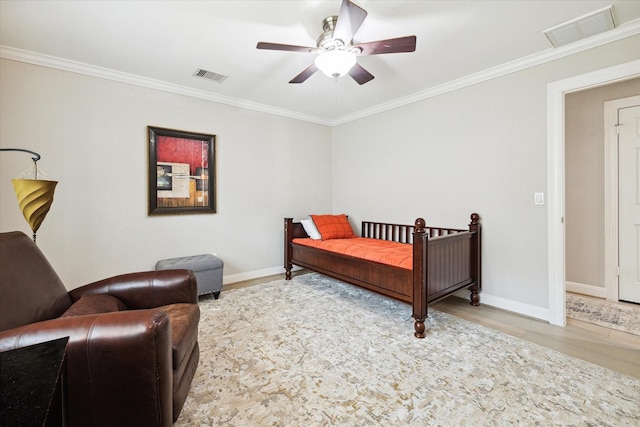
point(623, 317)
point(314, 351)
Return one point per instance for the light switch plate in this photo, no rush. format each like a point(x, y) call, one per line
point(538, 199)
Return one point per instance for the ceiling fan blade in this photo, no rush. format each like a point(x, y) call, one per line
point(350, 19)
point(401, 44)
point(285, 47)
point(308, 72)
point(360, 75)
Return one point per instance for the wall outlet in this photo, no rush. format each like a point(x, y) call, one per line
point(538, 199)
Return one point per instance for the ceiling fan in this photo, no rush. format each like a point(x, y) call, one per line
point(337, 53)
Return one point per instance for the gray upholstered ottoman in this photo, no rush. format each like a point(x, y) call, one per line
point(208, 270)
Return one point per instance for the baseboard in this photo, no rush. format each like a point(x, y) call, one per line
point(590, 290)
point(509, 305)
point(486, 299)
point(515, 306)
point(256, 274)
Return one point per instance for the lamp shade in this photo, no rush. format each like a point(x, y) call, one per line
point(335, 63)
point(35, 197)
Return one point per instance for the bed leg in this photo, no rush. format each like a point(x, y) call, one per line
point(419, 327)
point(475, 295)
point(287, 274)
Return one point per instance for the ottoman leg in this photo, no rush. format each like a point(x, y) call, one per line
point(216, 295)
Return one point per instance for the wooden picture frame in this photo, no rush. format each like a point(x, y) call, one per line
point(182, 170)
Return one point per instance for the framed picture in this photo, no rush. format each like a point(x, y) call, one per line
point(181, 172)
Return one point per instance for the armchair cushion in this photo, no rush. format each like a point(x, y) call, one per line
point(146, 289)
point(94, 304)
point(184, 337)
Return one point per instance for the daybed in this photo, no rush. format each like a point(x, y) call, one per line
point(442, 261)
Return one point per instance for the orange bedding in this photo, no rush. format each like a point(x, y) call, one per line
point(382, 251)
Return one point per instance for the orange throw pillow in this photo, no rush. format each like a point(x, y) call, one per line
point(333, 226)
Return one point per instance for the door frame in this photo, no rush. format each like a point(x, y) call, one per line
point(611, 230)
point(555, 174)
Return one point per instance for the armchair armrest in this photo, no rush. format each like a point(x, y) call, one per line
point(147, 289)
point(124, 354)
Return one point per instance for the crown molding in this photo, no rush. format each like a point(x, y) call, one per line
point(627, 30)
point(132, 79)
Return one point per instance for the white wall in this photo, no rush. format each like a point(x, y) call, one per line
point(92, 135)
point(478, 149)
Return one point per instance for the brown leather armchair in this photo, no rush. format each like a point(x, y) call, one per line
point(133, 339)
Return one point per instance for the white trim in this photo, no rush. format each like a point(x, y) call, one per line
point(611, 233)
point(610, 202)
point(591, 290)
point(486, 299)
point(250, 275)
point(28, 57)
point(256, 274)
point(628, 30)
point(508, 305)
point(515, 306)
point(555, 212)
point(555, 173)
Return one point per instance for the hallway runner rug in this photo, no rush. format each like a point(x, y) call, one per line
point(623, 317)
point(315, 351)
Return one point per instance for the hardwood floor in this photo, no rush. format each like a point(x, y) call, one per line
point(612, 349)
point(609, 348)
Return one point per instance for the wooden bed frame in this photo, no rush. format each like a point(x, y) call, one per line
point(445, 260)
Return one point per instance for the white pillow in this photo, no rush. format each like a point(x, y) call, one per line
point(311, 229)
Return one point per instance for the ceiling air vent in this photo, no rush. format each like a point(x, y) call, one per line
point(585, 26)
point(210, 75)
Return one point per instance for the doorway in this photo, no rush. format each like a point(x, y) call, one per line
point(622, 142)
point(591, 187)
point(555, 180)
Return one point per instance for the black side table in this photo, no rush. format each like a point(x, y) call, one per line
point(32, 385)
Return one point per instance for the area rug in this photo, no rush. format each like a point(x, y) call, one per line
point(618, 316)
point(314, 351)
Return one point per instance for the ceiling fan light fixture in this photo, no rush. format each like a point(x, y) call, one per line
point(335, 63)
point(337, 55)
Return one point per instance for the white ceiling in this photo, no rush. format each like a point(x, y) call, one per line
point(162, 43)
